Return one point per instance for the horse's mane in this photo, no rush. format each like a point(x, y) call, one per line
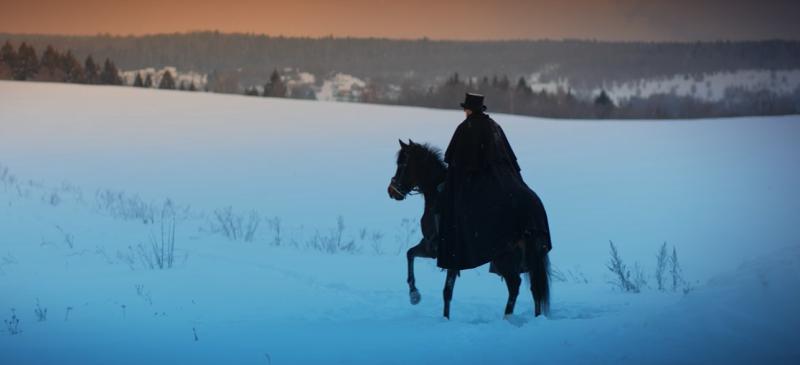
point(427, 152)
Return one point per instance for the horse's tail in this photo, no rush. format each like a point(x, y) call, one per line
point(539, 271)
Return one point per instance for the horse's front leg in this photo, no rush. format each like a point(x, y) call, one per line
point(449, 283)
point(413, 252)
point(422, 249)
point(413, 293)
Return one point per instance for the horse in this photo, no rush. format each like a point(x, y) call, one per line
point(421, 170)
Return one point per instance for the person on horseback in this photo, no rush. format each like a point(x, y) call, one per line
point(484, 205)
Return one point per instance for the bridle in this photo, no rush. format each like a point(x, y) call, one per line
point(403, 191)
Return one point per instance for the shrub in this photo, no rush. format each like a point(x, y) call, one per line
point(119, 205)
point(41, 313)
point(622, 276)
point(161, 253)
point(275, 227)
point(12, 324)
point(236, 226)
point(675, 270)
point(661, 266)
point(334, 241)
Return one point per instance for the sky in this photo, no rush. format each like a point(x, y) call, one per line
point(626, 20)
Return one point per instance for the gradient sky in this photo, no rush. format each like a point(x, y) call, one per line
point(678, 20)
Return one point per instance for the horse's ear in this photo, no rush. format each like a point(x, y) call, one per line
point(410, 142)
point(402, 144)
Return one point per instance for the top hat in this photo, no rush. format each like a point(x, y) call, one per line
point(473, 102)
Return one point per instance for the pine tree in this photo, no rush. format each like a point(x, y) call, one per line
point(521, 100)
point(73, 71)
point(50, 59)
point(27, 63)
point(148, 81)
point(167, 81)
point(50, 66)
point(603, 100)
point(504, 83)
point(192, 87)
point(8, 55)
point(91, 71)
point(275, 87)
point(137, 82)
point(604, 106)
point(110, 74)
point(182, 86)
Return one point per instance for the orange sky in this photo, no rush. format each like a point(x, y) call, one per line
point(467, 19)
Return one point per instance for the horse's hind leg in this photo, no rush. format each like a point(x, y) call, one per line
point(512, 282)
point(420, 250)
point(507, 266)
point(449, 283)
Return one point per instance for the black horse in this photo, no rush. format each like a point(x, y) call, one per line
point(420, 169)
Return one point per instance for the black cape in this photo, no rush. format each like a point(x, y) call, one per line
point(485, 206)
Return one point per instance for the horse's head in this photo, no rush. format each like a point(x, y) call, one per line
point(405, 177)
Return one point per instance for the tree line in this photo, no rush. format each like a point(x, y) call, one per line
point(503, 96)
point(23, 63)
point(275, 87)
point(586, 64)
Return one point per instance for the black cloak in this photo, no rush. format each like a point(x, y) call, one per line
point(485, 205)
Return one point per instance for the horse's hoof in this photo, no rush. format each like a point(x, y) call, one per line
point(415, 297)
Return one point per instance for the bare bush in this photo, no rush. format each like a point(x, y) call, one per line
point(334, 241)
point(6, 178)
point(675, 270)
point(639, 278)
point(144, 294)
point(41, 313)
point(161, 253)
point(375, 242)
point(275, 226)
point(236, 226)
point(6, 260)
point(128, 207)
point(661, 266)
point(557, 275)
point(570, 275)
point(622, 276)
point(128, 257)
point(12, 324)
point(53, 198)
point(68, 238)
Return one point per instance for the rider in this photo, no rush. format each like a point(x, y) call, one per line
point(478, 212)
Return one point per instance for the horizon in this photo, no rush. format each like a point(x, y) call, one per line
point(430, 39)
point(504, 20)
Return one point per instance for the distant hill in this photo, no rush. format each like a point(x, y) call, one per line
point(586, 64)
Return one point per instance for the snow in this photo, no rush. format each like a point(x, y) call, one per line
point(711, 87)
point(706, 87)
point(722, 192)
point(187, 78)
point(340, 87)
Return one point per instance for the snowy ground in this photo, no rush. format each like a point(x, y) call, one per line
point(723, 192)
